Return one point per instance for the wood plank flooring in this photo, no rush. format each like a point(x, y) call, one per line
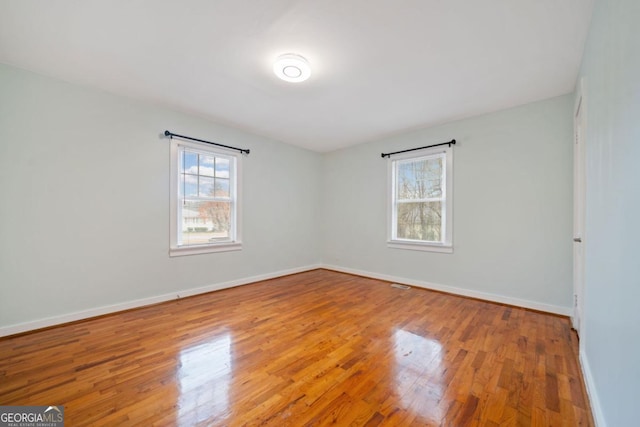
point(316, 348)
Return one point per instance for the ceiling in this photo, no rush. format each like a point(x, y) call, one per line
point(379, 67)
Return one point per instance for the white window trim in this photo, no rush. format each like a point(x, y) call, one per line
point(392, 242)
point(235, 245)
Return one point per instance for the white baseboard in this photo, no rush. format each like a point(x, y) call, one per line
point(596, 409)
point(533, 305)
point(99, 311)
point(107, 309)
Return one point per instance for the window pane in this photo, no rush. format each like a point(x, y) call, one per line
point(205, 222)
point(188, 185)
point(420, 221)
point(222, 187)
point(206, 165)
point(421, 179)
point(222, 168)
point(189, 162)
point(206, 187)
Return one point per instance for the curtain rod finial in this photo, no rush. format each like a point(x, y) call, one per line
point(167, 133)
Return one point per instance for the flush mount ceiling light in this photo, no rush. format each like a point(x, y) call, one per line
point(292, 68)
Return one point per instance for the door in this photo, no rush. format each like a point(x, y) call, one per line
point(579, 196)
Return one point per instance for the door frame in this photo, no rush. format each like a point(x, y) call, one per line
point(579, 206)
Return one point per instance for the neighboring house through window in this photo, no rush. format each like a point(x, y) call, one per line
point(205, 202)
point(420, 207)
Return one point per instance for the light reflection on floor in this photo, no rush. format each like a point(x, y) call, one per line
point(418, 362)
point(204, 378)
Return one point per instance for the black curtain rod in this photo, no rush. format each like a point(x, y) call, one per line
point(449, 143)
point(171, 135)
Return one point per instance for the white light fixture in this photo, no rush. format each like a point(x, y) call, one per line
point(292, 68)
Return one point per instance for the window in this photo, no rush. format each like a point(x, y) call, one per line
point(420, 205)
point(205, 207)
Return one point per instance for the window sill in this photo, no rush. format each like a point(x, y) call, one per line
point(415, 246)
point(205, 249)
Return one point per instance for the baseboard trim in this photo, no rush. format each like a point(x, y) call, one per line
point(128, 305)
point(596, 409)
point(108, 309)
point(547, 308)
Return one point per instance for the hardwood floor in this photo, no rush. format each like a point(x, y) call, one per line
point(315, 348)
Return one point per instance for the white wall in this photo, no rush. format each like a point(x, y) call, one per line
point(512, 208)
point(611, 328)
point(84, 203)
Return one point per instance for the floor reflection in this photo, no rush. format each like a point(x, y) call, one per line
point(418, 363)
point(204, 377)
